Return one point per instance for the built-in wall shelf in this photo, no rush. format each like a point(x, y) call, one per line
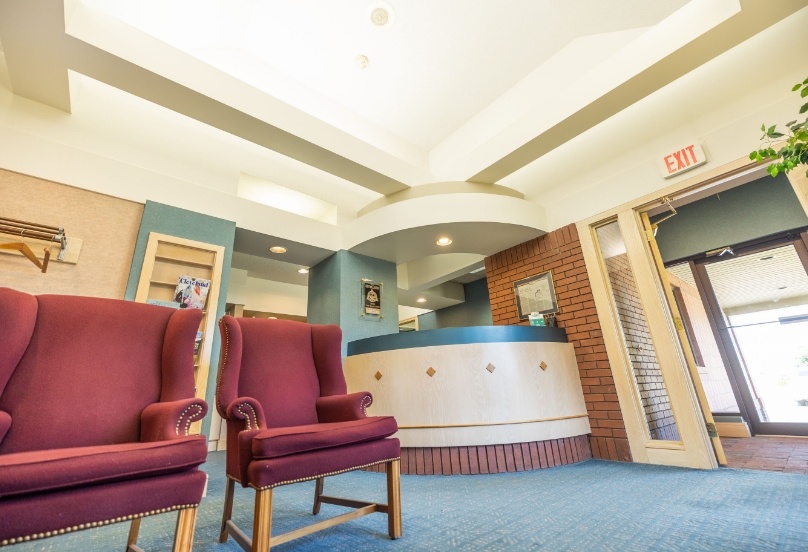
point(166, 259)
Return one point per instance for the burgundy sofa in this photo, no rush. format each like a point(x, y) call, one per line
point(282, 391)
point(96, 401)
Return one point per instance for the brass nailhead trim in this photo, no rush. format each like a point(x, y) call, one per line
point(190, 419)
point(88, 525)
point(225, 351)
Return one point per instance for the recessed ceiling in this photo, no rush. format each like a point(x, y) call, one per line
point(186, 96)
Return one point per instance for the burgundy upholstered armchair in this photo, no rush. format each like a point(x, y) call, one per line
point(282, 391)
point(96, 399)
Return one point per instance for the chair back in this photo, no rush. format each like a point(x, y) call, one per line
point(285, 365)
point(78, 371)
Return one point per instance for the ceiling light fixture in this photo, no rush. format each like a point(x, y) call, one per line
point(444, 241)
point(381, 14)
point(420, 300)
point(303, 270)
point(362, 61)
point(476, 270)
point(277, 249)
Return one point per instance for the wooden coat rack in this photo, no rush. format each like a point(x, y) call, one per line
point(24, 229)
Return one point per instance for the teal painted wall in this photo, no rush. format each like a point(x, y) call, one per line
point(760, 208)
point(474, 311)
point(173, 221)
point(335, 295)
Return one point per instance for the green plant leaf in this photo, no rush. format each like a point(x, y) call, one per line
point(763, 127)
point(773, 170)
point(804, 92)
point(796, 87)
point(804, 107)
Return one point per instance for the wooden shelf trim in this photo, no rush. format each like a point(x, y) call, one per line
point(182, 261)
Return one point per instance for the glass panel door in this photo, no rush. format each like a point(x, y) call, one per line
point(636, 335)
point(660, 408)
point(761, 311)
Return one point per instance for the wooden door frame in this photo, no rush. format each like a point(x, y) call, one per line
point(642, 448)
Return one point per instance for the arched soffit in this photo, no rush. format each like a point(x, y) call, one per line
point(477, 223)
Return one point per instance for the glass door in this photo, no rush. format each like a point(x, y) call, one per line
point(758, 300)
point(685, 339)
point(660, 407)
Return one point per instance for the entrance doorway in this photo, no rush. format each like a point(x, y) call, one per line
point(757, 300)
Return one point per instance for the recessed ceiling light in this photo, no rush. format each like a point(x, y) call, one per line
point(420, 300)
point(303, 270)
point(278, 249)
point(444, 241)
point(362, 61)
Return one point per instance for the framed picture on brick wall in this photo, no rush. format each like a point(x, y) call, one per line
point(535, 294)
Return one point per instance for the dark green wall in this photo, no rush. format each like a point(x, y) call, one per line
point(474, 311)
point(173, 221)
point(760, 208)
point(335, 295)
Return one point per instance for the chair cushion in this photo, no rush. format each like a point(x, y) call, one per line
point(48, 470)
point(271, 472)
point(283, 441)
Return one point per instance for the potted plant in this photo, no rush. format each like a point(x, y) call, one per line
point(793, 143)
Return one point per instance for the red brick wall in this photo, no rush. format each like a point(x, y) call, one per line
point(560, 252)
point(654, 396)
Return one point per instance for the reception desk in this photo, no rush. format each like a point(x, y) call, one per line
point(476, 387)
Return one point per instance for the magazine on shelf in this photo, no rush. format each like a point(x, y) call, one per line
point(197, 342)
point(191, 293)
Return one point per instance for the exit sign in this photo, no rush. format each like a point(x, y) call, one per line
point(682, 160)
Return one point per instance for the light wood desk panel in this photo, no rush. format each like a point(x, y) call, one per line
point(463, 403)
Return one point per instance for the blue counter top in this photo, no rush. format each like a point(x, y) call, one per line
point(457, 336)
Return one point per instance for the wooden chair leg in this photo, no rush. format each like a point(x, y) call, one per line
point(228, 508)
point(134, 529)
point(318, 492)
point(394, 499)
point(184, 535)
point(262, 520)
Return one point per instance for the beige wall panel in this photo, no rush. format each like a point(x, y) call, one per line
point(108, 227)
point(465, 404)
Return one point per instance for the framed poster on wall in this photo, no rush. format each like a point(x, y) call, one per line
point(371, 299)
point(535, 294)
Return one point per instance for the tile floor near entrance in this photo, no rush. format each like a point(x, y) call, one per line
point(783, 454)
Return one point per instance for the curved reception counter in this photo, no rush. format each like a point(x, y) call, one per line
point(482, 399)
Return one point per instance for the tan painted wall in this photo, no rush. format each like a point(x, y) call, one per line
point(107, 225)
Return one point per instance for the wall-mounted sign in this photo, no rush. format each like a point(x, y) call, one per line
point(372, 294)
point(682, 160)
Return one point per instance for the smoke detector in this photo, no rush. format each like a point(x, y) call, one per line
point(381, 14)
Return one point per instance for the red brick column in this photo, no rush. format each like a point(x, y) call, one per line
point(560, 252)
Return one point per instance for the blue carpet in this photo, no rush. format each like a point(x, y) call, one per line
point(594, 505)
